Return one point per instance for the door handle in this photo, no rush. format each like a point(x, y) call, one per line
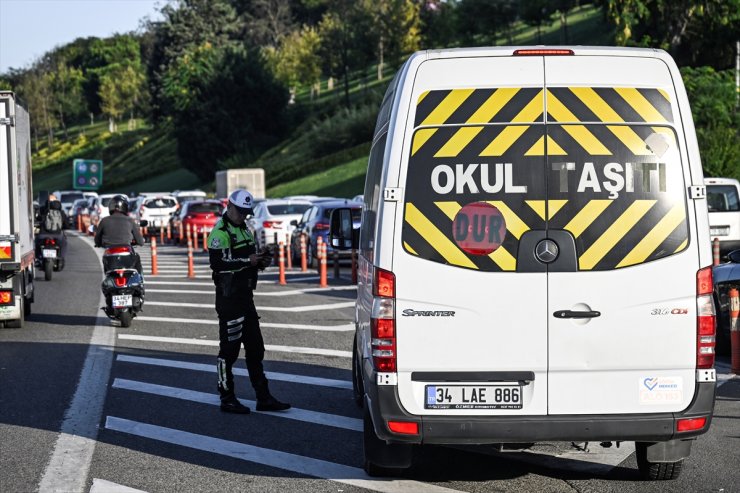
point(576, 314)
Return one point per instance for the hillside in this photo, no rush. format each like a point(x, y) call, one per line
point(325, 154)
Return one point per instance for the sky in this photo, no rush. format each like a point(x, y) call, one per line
point(30, 28)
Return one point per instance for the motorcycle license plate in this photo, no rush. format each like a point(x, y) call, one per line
point(122, 301)
point(48, 253)
point(473, 397)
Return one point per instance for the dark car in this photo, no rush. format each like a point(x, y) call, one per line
point(315, 223)
point(725, 277)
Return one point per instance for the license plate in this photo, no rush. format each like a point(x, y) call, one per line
point(122, 301)
point(49, 253)
point(473, 397)
point(721, 231)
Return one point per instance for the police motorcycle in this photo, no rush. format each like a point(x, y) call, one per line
point(123, 285)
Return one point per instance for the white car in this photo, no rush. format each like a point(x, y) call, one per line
point(185, 195)
point(156, 210)
point(723, 199)
point(273, 216)
point(99, 207)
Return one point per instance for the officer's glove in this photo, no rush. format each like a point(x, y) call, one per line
point(264, 260)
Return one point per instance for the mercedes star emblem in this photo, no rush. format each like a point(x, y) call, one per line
point(546, 251)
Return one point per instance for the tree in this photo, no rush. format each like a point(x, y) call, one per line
point(712, 96)
point(296, 63)
point(267, 22)
point(66, 87)
point(437, 20)
point(396, 26)
point(344, 32)
point(481, 20)
point(243, 112)
point(696, 32)
point(537, 13)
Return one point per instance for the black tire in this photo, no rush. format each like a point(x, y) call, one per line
point(26, 307)
point(18, 323)
point(125, 318)
point(309, 255)
point(656, 471)
point(48, 269)
point(378, 455)
point(358, 386)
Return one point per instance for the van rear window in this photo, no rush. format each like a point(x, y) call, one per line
point(474, 188)
point(722, 198)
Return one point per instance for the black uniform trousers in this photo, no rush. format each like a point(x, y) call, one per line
point(238, 324)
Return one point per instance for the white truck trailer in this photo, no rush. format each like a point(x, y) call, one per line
point(251, 179)
point(16, 213)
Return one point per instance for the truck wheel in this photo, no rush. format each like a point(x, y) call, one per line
point(125, 318)
point(26, 307)
point(48, 269)
point(380, 458)
point(655, 471)
point(358, 387)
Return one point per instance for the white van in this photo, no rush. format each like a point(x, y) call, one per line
point(723, 200)
point(534, 257)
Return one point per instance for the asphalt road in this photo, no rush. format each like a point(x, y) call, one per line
point(138, 410)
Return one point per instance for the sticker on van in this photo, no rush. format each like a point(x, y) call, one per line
point(601, 164)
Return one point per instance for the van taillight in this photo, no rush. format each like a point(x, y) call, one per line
point(705, 319)
point(543, 52)
point(383, 321)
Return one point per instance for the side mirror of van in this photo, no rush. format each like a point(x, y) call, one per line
point(734, 256)
point(342, 233)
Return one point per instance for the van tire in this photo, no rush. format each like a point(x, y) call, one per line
point(358, 386)
point(656, 471)
point(381, 458)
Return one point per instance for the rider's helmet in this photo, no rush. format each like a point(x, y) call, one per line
point(242, 200)
point(118, 203)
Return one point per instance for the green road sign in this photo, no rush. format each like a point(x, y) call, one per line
point(88, 174)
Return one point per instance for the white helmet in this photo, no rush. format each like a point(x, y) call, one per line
point(242, 200)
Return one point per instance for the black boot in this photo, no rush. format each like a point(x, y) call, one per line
point(266, 402)
point(231, 404)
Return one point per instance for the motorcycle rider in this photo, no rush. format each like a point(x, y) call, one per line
point(118, 229)
point(234, 260)
point(52, 223)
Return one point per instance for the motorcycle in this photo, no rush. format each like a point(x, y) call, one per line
point(48, 256)
point(123, 285)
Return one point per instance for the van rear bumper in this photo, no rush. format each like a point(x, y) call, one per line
point(385, 406)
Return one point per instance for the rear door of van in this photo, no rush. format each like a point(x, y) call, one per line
point(622, 322)
point(471, 325)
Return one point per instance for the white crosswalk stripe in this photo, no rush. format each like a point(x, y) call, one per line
point(273, 458)
point(284, 377)
point(304, 415)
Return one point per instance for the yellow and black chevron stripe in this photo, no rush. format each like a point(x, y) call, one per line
point(598, 125)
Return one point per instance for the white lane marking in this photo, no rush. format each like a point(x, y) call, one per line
point(268, 347)
point(184, 276)
point(103, 486)
point(292, 309)
point(305, 415)
point(282, 377)
point(273, 458)
point(323, 328)
point(70, 461)
point(724, 372)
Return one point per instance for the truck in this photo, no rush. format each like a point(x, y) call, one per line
point(251, 179)
point(16, 213)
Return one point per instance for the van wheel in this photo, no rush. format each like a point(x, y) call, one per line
point(358, 386)
point(380, 458)
point(656, 471)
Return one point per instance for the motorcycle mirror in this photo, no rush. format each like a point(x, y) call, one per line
point(143, 223)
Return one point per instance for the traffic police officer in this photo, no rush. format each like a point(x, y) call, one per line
point(235, 261)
